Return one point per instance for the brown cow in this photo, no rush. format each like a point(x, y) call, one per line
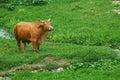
point(34, 32)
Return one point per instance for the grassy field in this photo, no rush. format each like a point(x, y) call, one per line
point(84, 39)
point(81, 74)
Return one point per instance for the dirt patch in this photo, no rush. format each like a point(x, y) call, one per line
point(39, 66)
point(59, 62)
point(23, 67)
point(49, 59)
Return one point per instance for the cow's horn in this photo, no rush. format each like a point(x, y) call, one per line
point(49, 19)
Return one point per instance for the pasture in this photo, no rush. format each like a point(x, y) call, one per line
point(83, 45)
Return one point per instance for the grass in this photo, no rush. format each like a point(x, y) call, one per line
point(83, 74)
point(86, 22)
point(10, 57)
point(85, 35)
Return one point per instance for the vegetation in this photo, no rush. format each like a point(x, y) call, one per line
point(84, 74)
point(83, 20)
point(83, 42)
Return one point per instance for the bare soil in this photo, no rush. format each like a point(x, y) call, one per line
point(38, 66)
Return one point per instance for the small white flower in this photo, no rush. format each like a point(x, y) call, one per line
point(34, 71)
point(1, 78)
point(59, 69)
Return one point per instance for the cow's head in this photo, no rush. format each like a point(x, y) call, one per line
point(46, 25)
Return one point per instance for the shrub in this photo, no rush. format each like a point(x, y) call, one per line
point(4, 1)
point(29, 2)
point(15, 3)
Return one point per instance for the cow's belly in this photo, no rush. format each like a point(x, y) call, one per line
point(26, 41)
point(24, 37)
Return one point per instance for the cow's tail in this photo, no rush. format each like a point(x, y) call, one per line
point(15, 31)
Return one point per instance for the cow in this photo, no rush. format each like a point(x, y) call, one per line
point(34, 32)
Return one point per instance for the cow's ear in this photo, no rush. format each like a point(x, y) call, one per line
point(41, 24)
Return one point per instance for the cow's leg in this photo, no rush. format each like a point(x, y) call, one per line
point(24, 43)
point(39, 43)
point(19, 45)
point(34, 45)
point(38, 46)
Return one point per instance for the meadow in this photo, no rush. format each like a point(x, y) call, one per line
point(84, 43)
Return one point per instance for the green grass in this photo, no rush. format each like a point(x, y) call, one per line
point(81, 74)
point(84, 31)
point(10, 57)
point(80, 22)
